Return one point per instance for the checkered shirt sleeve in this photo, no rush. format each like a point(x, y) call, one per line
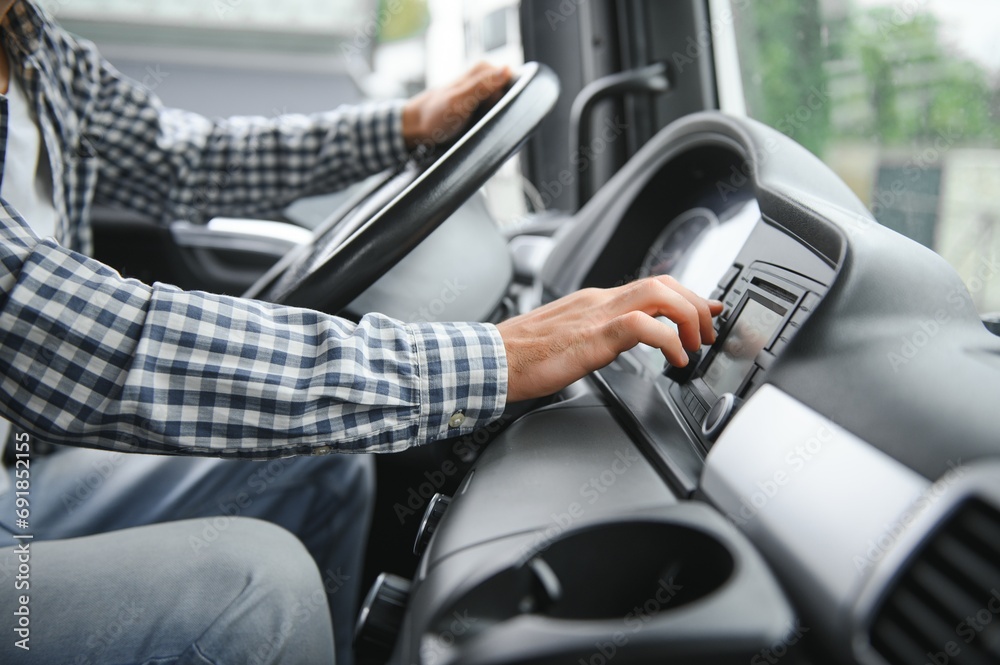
point(88, 358)
point(171, 164)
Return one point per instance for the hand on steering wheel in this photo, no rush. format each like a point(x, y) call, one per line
point(349, 253)
point(438, 115)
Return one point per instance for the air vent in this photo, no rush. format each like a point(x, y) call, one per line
point(945, 608)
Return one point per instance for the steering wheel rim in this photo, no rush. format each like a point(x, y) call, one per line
point(339, 265)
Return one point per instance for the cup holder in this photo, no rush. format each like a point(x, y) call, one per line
point(605, 571)
point(618, 569)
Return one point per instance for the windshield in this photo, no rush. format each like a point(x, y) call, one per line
point(901, 99)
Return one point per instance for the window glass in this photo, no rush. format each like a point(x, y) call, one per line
point(902, 99)
point(495, 30)
point(325, 16)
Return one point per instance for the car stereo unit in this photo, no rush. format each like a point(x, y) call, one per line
point(764, 308)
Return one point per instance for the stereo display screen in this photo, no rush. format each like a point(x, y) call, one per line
point(749, 335)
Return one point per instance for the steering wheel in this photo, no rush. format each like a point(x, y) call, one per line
point(351, 251)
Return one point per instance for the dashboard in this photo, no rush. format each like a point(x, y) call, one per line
point(797, 493)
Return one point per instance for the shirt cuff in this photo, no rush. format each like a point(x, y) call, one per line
point(463, 377)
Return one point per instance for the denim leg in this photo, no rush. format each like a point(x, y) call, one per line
point(325, 501)
point(142, 595)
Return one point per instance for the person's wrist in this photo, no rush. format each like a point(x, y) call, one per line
point(413, 130)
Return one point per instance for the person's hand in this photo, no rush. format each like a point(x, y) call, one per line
point(559, 343)
point(437, 115)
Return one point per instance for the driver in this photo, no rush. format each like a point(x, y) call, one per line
point(135, 558)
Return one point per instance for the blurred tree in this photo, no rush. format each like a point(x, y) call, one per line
point(912, 88)
point(916, 88)
point(788, 89)
point(402, 19)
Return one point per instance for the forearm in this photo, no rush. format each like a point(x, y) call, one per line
point(171, 164)
point(258, 166)
point(111, 363)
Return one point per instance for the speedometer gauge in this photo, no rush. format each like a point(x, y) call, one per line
point(674, 245)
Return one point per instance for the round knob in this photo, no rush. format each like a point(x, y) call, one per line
point(429, 524)
point(381, 618)
point(719, 416)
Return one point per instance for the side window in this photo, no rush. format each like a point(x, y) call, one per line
point(902, 100)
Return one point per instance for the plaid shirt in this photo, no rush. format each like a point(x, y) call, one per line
point(89, 358)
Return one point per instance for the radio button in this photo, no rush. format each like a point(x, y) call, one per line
point(764, 360)
point(810, 302)
point(730, 277)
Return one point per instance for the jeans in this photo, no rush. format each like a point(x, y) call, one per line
point(77, 493)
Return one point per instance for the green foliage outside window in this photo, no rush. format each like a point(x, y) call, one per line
point(891, 67)
point(402, 19)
